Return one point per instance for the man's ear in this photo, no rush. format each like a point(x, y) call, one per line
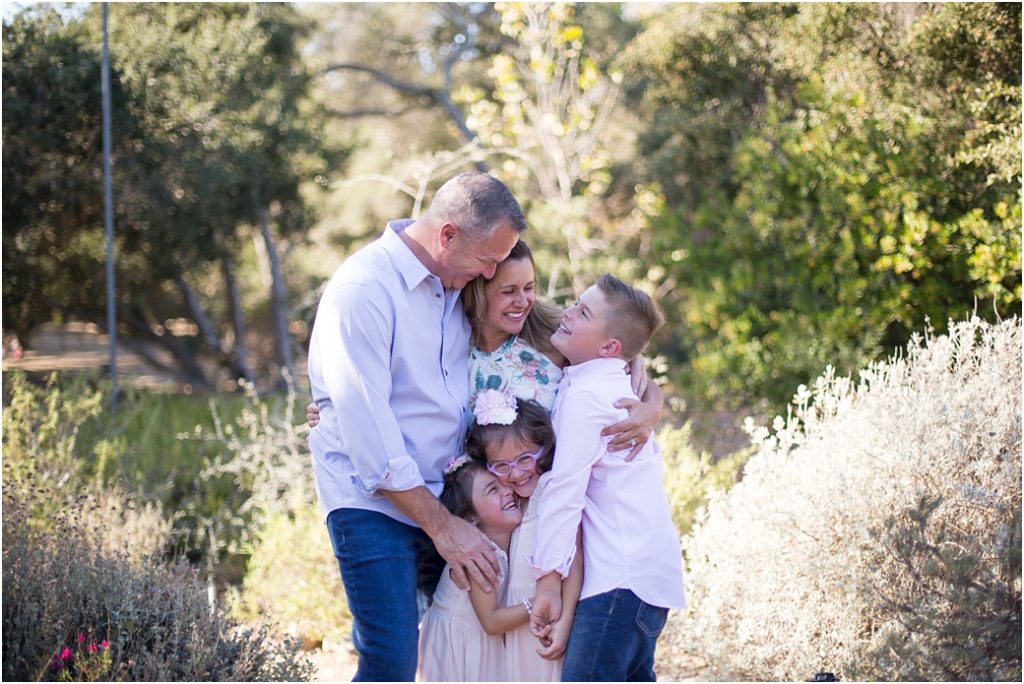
point(610, 349)
point(448, 232)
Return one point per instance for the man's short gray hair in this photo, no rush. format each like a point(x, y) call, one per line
point(478, 204)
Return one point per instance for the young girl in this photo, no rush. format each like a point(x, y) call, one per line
point(461, 632)
point(515, 438)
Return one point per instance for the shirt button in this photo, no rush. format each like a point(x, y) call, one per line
point(437, 294)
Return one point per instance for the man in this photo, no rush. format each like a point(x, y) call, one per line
point(388, 370)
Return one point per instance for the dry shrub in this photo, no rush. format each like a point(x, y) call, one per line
point(877, 532)
point(63, 578)
point(81, 558)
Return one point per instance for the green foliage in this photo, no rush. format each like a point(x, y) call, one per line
point(51, 162)
point(823, 194)
point(292, 578)
point(216, 467)
point(42, 441)
point(689, 477)
point(213, 130)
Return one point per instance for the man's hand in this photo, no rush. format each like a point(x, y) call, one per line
point(465, 548)
point(547, 605)
point(312, 415)
point(469, 554)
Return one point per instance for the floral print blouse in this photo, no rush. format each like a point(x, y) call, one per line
point(517, 366)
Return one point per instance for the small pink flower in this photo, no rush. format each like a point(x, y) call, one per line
point(104, 644)
point(91, 648)
point(81, 638)
point(65, 654)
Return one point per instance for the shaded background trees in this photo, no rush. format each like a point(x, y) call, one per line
point(215, 137)
point(832, 177)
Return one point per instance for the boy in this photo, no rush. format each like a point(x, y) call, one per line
point(633, 565)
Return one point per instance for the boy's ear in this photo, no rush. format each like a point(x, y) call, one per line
point(610, 349)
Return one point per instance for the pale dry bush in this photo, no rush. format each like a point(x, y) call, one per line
point(876, 533)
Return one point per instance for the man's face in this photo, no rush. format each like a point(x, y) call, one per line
point(582, 334)
point(463, 259)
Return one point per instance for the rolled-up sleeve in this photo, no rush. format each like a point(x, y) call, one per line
point(357, 330)
point(578, 422)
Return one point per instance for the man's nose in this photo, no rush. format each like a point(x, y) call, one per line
point(489, 271)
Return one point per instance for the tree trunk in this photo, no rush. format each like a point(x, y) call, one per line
point(239, 364)
point(195, 310)
point(191, 369)
point(278, 299)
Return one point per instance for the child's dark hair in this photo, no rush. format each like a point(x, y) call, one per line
point(457, 495)
point(532, 424)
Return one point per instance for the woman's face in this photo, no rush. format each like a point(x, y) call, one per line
point(509, 298)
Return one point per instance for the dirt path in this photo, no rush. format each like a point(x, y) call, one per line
point(81, 346)
point(333, 664)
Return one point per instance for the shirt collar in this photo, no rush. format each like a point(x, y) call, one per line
point(595, 368)
point(411, 269)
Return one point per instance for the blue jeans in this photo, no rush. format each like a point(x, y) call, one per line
point(612, 639)
point(379, 559)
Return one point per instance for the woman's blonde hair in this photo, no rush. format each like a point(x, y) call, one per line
point(540, 323)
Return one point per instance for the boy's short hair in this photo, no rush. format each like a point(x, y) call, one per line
point(632, 315)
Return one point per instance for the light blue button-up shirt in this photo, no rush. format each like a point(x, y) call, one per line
point(388, 370)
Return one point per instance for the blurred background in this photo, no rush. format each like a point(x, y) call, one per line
point(807, 189)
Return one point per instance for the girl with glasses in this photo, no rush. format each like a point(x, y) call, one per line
point(515, 439)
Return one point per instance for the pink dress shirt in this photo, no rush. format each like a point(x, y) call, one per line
point(629, 539)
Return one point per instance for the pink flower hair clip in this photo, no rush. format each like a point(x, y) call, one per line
point(455, 463)
point(493, 406)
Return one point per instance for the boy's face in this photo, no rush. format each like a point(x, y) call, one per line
point(582, 336)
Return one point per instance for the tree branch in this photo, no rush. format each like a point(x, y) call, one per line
point(359, 113)
point(385, 78)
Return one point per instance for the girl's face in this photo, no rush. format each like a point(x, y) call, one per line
point(521, 478)
point(495, 508)
point(510, 297)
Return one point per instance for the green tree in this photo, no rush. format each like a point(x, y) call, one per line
point(224, 139)
point(863, 178)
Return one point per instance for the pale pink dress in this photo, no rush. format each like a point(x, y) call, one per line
point(524, 665)
point(453, 645)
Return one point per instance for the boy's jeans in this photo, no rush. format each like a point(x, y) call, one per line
point(613, 638)
point(380, 561)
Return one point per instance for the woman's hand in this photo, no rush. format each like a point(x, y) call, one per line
point(632, 433)
point(638, 377)
point(312, 415)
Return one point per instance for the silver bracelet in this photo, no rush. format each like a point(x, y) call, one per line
point(528, 606)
